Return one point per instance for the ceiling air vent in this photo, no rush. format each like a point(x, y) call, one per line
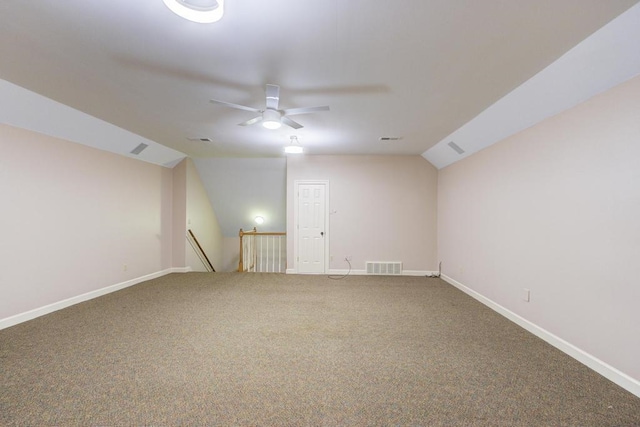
point(390, 138)
point(139, 149)
point(200, 139)
point(456, 147)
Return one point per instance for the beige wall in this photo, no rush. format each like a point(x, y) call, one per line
point(192, 210)
point(231, 254)
point(556, 209)
point(78, 221)
point(73, 216)
point(384, 208)
point(179, 212)
point(202, 221)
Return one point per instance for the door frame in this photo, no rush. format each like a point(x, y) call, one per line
point(296, 201)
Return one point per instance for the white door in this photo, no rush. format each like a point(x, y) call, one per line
point(312, 232)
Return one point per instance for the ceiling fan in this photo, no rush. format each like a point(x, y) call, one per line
point(270, 116)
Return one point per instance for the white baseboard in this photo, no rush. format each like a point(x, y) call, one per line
point(335, 272)
point(623, 380)
point(32, 314)
point(342, 272)
point(422, 273)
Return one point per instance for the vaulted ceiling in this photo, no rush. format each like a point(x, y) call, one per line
point(414, 69)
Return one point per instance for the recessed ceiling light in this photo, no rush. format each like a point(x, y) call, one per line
point(201, 11)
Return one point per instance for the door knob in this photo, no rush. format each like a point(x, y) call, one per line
point(322, 233)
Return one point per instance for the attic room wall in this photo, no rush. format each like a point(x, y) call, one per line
point(179, 215)
point(555, 209)
point(385, 208)
point(72, 217)
point(192, 210)
point(202, 220)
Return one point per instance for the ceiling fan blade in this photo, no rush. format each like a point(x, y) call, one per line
point(239, 107)
point(287, 121)
point(273, 96)
point(252, 121)
point(305, 110)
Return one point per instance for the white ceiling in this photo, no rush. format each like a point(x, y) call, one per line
point(418, 69)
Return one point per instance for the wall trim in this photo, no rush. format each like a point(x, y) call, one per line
point(50, 308)
point(334, 272)
point(623, 380)
point(342, 272)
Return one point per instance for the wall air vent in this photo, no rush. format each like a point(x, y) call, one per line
point(456, 147)
point(139, 149)
point(390, 138)
point(378, 268)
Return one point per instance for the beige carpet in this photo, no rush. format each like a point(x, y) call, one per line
point(256, 349)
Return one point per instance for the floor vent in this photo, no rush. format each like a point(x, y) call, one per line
point(384, 268)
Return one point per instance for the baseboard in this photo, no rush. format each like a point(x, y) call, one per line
point(342, 272)
point(335, 272)
point(32, 314)
point(419, 273)
point(623, 380)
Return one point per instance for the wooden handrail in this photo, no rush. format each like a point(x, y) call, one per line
point(255, 233)
point(201, 250)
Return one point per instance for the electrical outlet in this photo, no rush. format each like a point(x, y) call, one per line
point(330, 257)
point(526, 294)
point(124, 267)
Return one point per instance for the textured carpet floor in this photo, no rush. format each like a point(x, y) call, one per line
point(255, 349)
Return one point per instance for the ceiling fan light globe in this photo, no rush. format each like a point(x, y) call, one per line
point(271, 119)
point(271, 124)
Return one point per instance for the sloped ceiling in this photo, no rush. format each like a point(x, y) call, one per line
point(416, 69)
point(246, 188)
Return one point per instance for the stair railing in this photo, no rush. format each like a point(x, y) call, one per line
point(262, 252)
point(200, 252)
